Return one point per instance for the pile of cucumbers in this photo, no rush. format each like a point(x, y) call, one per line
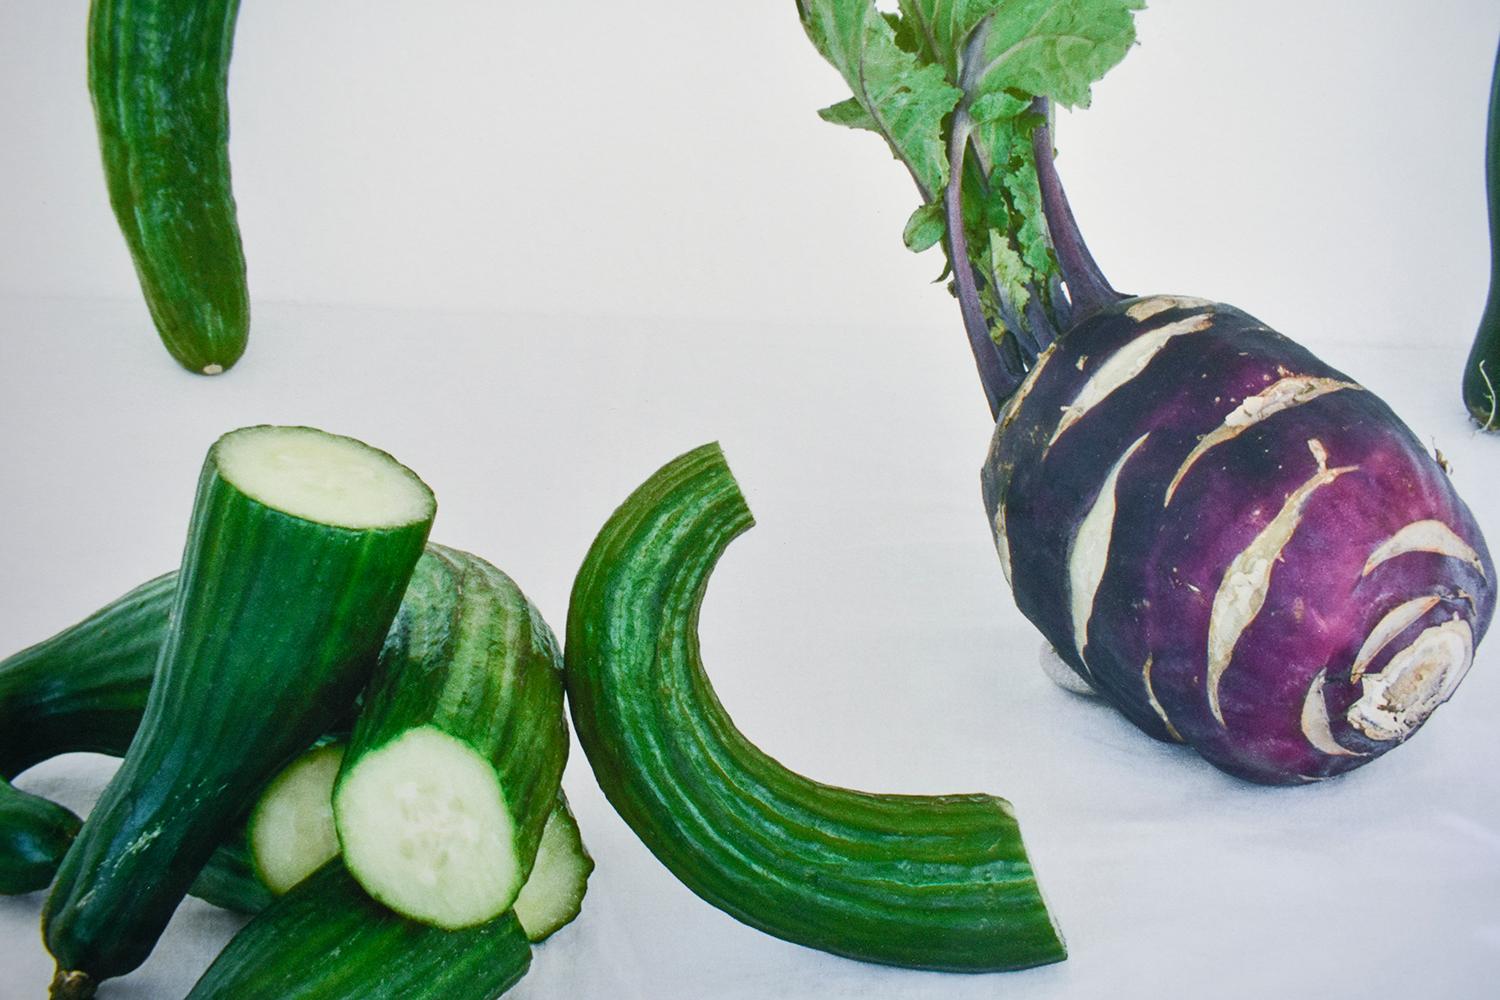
point(358, 737)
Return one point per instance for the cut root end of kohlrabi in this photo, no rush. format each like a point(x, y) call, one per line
point(426, 830)
point(322, 477)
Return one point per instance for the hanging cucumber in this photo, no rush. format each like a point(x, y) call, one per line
point(299, 549)
point(159, 73)
point(932, 882)
point(456, 756)
point(1482, 373)
point(553, 896)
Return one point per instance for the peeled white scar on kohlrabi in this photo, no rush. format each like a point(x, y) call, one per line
point(1242, 590)
point(1128, 362)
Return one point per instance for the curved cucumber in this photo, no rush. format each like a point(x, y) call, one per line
point(553, 896)
point(933, 882)
point(327, 940)
point(300, 546)
point(158, 73)
point(456, 757)
point(84, 689)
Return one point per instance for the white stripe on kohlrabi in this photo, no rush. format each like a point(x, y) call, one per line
point(1156, 705)
point(1315, 723)
point(1089, 553)
point(1391, 625)
point(1146, 308)
point(1424, 536)
point(1242, 590)
point(1124, 365)
point(1279, 396)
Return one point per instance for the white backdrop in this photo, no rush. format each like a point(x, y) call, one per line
point(535, 252)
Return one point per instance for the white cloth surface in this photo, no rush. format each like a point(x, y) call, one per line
point(862, 633)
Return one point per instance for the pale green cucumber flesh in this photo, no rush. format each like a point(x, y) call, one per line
point(291, 827)
point(553, 895)
point(425, 828)
point(275, 623)
point(934, 882)
point(327, 940)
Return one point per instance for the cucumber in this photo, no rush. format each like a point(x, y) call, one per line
point(299, 549)
point(84, 689)
point(457, 754)
point(158, 74)
point(229, 880)
point(291, 832)
point(930, 882)
point(34, 834)
point(327, 940)
point(553, 895)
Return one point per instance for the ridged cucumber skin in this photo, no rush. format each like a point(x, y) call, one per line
point(930, 882)
point(274, 624)
point(34, 834)
point(327, 940)
point(159, 74)
point(469, 655)
point(84, 689)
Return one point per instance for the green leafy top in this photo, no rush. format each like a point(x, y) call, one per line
point(950, 85)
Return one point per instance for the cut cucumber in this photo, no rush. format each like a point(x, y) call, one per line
point(932, 882)
point(553, 895)
point(327, 940)
point(275, 622)
point(291, 828)
point(456, 757)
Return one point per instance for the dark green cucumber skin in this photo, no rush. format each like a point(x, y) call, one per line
point(1482, 372)
point(327, 940)
point(471, 656)
point(34, 834)
point(83, 690)
point(931, 882)
point(159, 73)
point(275, 622)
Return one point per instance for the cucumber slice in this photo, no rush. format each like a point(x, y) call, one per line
point(291, 827)
point(553, 895)
point(426, 823)
point(457, 755)
point(299, 549)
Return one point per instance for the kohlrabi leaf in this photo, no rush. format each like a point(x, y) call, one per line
point(905, 100)
point(1049, 48)
point(952, 87)
point(924, 229)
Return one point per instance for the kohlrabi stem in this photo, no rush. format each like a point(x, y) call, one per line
point(1088, 290)
point(1482, 373)
point(998, 382)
